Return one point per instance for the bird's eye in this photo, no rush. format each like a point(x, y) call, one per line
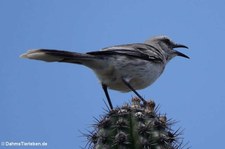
point(167, 41)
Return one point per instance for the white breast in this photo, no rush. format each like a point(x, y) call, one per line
point(139, 73)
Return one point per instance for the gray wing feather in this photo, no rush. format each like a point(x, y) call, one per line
point(138, 50)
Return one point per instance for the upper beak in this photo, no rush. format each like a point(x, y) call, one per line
point(179, 53)
point(180, 46)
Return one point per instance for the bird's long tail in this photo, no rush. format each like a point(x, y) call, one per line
point(58, 56)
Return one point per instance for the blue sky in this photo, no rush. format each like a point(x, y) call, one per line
point(55, 102)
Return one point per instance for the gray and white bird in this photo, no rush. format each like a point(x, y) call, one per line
point(124, 68)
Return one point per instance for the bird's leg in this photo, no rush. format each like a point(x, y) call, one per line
point(107, 96)
point(131, 88)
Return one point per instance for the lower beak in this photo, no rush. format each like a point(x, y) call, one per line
point(181, 54)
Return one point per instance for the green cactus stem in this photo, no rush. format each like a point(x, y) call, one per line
point(134, 126)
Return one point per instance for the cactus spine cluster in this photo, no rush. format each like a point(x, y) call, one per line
point(134, 126)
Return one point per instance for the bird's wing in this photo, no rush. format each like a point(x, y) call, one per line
point(138, 50)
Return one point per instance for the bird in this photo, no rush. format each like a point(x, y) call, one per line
point(125, 68)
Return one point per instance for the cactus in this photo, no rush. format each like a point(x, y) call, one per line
point(134, 126)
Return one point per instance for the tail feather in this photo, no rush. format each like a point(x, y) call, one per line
point(56, 56)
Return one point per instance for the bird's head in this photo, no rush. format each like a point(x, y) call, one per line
point(167, 46)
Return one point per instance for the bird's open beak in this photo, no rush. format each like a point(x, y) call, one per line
point(179, 53)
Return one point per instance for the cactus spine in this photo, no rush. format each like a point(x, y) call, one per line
point(134, 126)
